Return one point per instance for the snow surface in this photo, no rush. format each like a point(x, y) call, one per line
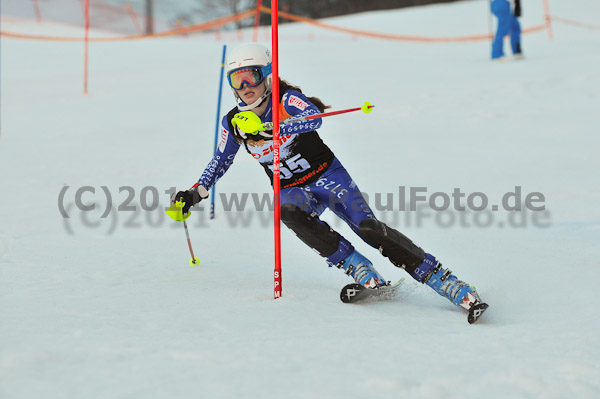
point(95, 307)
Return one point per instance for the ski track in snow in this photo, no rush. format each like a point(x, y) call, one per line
point(109, 308)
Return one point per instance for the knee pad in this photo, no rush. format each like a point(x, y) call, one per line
point(400, 250)
point(310, 229)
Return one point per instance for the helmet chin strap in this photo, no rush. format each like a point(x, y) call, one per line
point(259, 101)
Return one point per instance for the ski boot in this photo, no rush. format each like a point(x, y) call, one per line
point(448, 285)
point(362, 270)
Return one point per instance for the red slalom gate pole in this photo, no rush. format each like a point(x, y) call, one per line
point(548, 20)
point(256, 21)
point(38, 14)
point(134, 19)
point(86, 45)
point(276, 165)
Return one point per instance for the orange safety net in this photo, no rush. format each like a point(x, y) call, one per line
point(389, 36)
point(575, 23)
point(118, 19)
point(215, 23)
point(219, 22)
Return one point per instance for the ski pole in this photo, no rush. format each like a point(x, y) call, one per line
point(194, 261)
point(366, 108)
point(175, 212)
point(212, 194)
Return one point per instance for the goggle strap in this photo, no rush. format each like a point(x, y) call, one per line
point(266, 70)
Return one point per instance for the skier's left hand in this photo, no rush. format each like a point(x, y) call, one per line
point(248, 122)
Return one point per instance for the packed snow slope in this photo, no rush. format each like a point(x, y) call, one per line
point(108, 307)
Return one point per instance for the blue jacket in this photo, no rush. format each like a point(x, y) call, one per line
point(303, 154)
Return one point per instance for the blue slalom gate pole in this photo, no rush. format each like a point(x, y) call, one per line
point(212, 192)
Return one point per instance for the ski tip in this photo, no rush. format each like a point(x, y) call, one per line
point(476, 311)
point(397, 283)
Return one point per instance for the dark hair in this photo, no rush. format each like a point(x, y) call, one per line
point(285, 86)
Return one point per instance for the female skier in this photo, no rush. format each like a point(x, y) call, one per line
point(312, 179)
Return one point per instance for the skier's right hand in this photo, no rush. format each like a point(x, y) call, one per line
point(190, 197)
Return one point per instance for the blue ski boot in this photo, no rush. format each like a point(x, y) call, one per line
point(445, 283)
point(361, 268)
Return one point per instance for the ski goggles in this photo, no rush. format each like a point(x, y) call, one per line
point(252, 76)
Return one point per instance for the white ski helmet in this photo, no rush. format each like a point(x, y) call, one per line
point(250, 55)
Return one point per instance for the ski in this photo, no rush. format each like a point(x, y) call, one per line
point(353, 293)
point(472, 303)
point(476, 311)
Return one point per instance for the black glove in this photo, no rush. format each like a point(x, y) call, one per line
point(517, 8)
point(261, 135)
point(190, 197)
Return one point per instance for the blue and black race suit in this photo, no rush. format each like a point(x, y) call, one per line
point(311, 176)
point(304, 156)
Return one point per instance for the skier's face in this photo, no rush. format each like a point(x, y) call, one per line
point(250, 94)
